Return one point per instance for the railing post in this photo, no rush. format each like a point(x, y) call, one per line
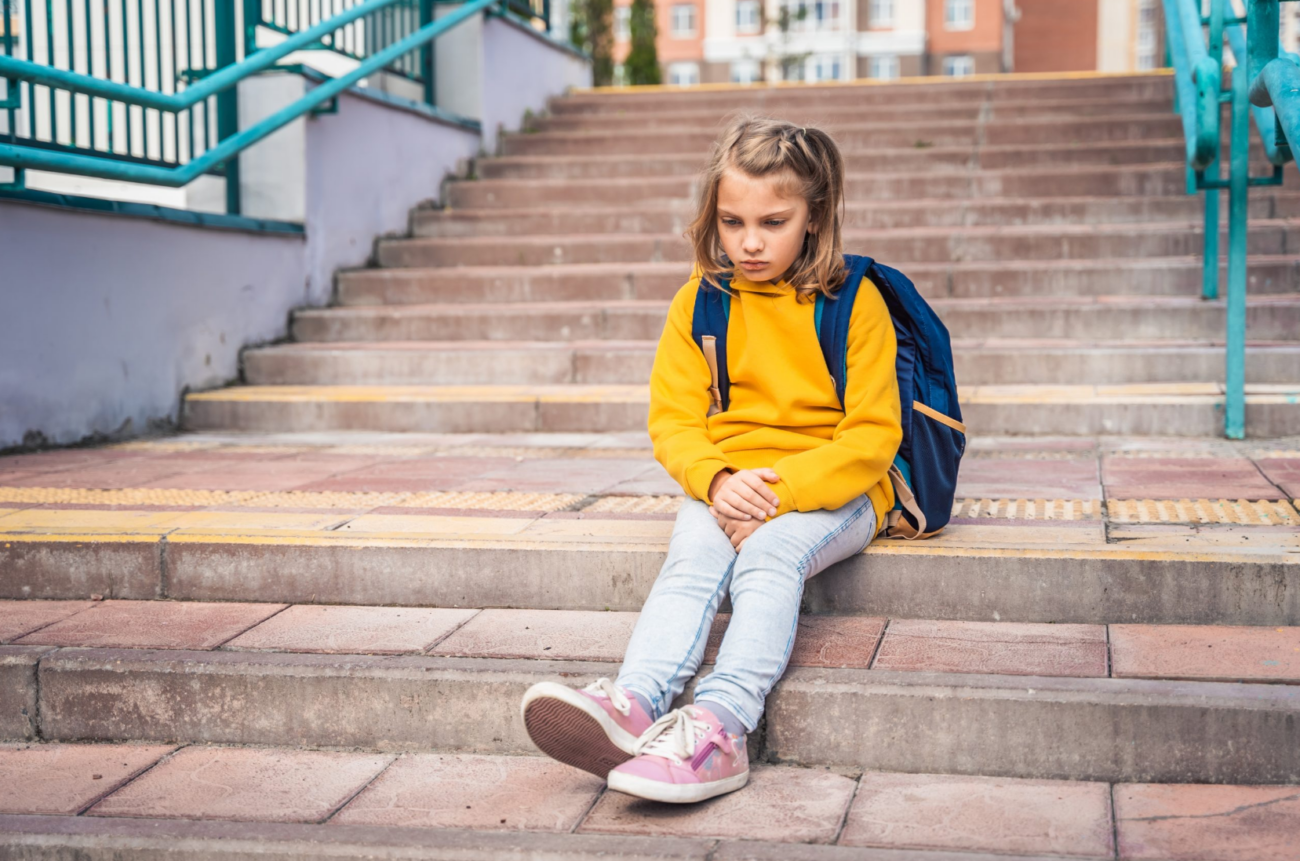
point(1234, 400)
point(426, 56)
point(1210, 258)
point(228, 100)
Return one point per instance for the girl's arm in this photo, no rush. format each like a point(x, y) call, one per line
point(679, 402)
point(867, 438)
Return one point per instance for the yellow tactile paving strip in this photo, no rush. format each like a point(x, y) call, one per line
point(1241, 511)
point(1028, 509)
point(146, 496)
point(1194, 511)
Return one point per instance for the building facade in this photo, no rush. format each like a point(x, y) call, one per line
point(741, 41)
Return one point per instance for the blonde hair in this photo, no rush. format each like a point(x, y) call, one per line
point(803, 160)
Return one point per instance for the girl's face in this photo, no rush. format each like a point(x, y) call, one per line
point(761, 231)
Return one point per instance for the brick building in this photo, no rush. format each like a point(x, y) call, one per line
point(736, 41)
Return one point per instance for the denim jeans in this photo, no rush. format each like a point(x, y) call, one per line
point(765, 581)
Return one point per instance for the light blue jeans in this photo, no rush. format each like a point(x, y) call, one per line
point(765, 581)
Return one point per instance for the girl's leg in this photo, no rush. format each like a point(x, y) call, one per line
point(767, 582)
point(668, 641)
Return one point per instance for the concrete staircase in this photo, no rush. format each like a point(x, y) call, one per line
point(302, 629)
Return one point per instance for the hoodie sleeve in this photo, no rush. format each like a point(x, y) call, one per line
point(679, 401)
point(867, 438)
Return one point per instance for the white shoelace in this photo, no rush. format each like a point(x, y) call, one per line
point(673, 736)
point(616, 697)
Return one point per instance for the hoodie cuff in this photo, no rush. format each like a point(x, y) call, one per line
point(786, 496)
point(700, 475)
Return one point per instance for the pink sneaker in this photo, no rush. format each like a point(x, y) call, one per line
point(593, 728)
point(684, 756)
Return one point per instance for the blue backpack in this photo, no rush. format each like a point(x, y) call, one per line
point(924, 472)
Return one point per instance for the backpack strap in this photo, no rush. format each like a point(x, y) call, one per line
point(832, 317)
point(709, 330)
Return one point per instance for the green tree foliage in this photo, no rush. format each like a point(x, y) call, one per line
point(591, 28)
point(642, 64)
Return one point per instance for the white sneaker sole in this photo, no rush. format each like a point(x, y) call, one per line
point(569, 727)
point(675, 793)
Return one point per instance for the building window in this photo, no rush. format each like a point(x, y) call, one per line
point(958, 14)
point(826, 67)
point(684, 20)
point(683, 74)
point(958, 66)
point(820, 15)
point(744, 71)
point(1146, 35)
point(747, 17)
point(880, 13)
point(883, 68)
point(622, 23)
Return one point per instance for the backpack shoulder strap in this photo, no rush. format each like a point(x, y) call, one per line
point(832, 316)
point(709, 330)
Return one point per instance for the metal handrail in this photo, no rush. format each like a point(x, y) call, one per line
point(1265, 87)
point(23, 157)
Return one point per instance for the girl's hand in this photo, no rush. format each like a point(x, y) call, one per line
point(744, 495)
point(739, 530)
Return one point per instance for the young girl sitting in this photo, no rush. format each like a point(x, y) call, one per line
point(780, 485)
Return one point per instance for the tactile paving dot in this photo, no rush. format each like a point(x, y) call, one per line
point(637, 504)
point(1028, 509)
point(323, 499)
point(1239, 511)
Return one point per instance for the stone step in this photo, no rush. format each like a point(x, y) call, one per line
point(660, 140)
point(171, 671)
point(160, 802)
point(1037, 182)
point(670, 216)
point(848, 114)
point(1137, 318)
point(1159, 409)
point(898, 247)
point(1152, 276)
point(1156, 87)
point(958, 158)
point(602, 362)
point(446, 520)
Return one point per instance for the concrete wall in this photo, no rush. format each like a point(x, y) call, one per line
point(109, 318)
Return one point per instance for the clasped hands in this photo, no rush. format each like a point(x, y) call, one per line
point(742, 501)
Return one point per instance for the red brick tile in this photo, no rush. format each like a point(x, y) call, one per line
point(530, 793)
point(66, 778)
point(1207, 652)
point(1284, 472)
point(566, 475)
point(820, 641)
point(22, 617)
point(416, 474)
point(352, 630)
point(568, 635)
point(981, 814)
point(153, 625)
point(1183, 822)
point(1185, 478)
point(257, 785)
point(265, 476)
point(109, 476)
point(1007, 648)
point(1021, 478)
point(787, 805)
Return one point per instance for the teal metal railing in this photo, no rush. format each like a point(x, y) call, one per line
point(145, 90)
point(1263, 79)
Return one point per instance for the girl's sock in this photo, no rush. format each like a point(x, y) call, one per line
point(730, 722)
point(644, 703)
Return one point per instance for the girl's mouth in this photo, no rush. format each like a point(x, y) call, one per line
point(752, 266)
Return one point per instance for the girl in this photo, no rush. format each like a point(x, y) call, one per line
point(781, 484)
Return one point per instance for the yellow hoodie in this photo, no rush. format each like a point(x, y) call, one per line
point(783, 412)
